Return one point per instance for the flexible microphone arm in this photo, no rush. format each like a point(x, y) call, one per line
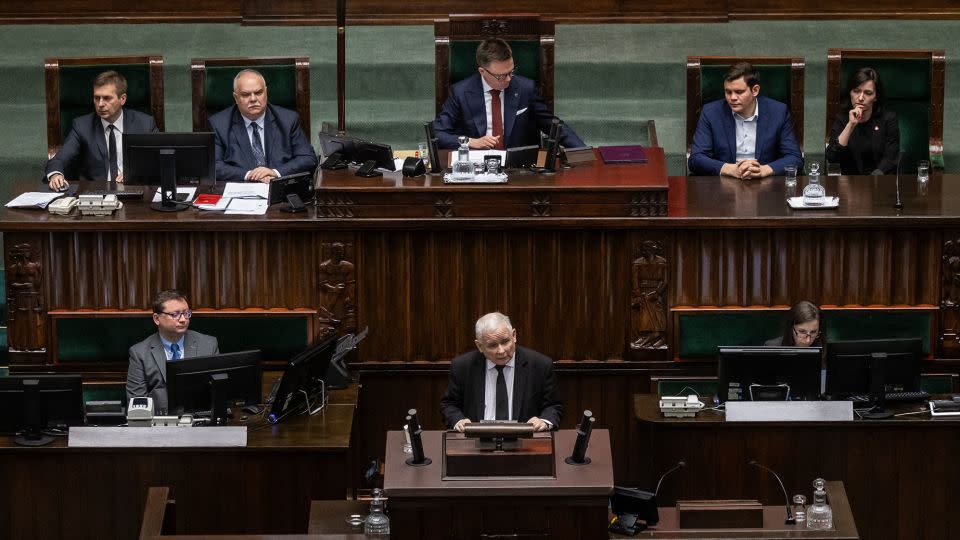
point(898, 204)
point(790, 519)
point(680, 464)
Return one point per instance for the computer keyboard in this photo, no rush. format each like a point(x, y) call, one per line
point(945, 406)
point(125, 193)
point(893, 397)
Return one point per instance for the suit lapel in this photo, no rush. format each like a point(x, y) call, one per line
point(272, 136)
point(729, 132)
point(238, 132)
point(520, 375)
point(477, 104)
point(511, 100)
point(190, 345)
point(478, 379)
point(159, 356)
point(100, 137)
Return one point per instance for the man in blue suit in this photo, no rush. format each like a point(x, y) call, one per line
point(256, 141)
point(496, 108)
point(744, 135)
point(93, 149)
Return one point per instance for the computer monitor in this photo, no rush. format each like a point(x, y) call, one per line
point(302, 380)
point(873, 366)
point(381, 154)
point(331, 144)
point(194, 159)
point(769, 373)
point(30, 404)
point(205, 385)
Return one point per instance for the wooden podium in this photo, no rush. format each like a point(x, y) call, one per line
point(570, 504)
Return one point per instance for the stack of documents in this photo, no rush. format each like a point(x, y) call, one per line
point(34, 199)
point(250, 198)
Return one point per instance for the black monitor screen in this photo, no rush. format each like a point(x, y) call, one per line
point(849, 365)
point(382, 154)
point(301, 380)
point(37, 402)
point(194, 156)
point(345, 146)
point(769, 373)
point(208, 384)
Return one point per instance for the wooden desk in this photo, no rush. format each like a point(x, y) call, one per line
point(897, 473)
point(99, 493)
point(572, 505)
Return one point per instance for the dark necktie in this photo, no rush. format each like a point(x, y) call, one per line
point(496, 109)
point(174, 351)
point(503, 410)
point(112, 150)
point(258, 146)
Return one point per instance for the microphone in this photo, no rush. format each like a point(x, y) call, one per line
point(416, 442)
point(790, 519)
point(680, 464)
point(898, 204)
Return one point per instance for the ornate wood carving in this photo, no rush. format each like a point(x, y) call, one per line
point(540, 207)
point(334, 206)
point(648, 203)
point(443, 206)
point(25, 301)
point(338, 289)
point(648, 297)
point(494, 27)
point(950, 298)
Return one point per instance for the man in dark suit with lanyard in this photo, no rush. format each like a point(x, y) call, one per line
point(94, 146)
point(256, 141)
point(496, 108)
point(501, 381)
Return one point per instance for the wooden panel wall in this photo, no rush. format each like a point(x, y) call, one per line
point(300, 12)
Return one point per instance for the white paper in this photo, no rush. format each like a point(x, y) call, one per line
point(246, 190)
point(34, 199)
point(252, 207)
point(189, 191)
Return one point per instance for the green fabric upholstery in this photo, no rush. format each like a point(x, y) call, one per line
point(774, 81)
point(281, 85)
point(4, 371)
point(278, 336)
point(906, 83)
point(674, 387)
point(463, 59)
point(938, 383)
point(105, 392)
point(700, 334)
point(76, 90)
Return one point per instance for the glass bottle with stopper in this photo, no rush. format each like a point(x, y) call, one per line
point(819, 514)
point(463, 167)
point(814, 194)
point(377, 522)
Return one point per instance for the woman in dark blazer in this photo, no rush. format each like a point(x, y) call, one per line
point(803, 327)
point(865, 138)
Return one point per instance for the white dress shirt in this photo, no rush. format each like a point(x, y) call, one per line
point(118, 134)
point(490, 389)
point(747, 134)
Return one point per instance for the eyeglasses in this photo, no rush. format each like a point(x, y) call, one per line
point(502, 76)
point(177, 314)
point(805, 334)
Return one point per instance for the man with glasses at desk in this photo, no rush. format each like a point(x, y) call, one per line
point(496, 108)
point(147, 373)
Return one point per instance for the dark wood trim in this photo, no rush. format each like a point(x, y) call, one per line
point(341, 67)
point(937, 81)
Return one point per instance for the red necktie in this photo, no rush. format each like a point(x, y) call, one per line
point(497, 117)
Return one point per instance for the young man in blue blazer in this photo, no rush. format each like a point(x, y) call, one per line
point(496, 108)
point(744, 135)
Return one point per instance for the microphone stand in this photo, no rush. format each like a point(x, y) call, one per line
point(790, 519)
point(898, 204)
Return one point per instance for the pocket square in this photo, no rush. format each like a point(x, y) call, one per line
point(521, 111)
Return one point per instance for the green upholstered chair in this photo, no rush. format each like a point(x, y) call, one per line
point(781, 78)
point(288, 85)
point(704, 387)
point(939, 383)
point(530, 37)
point(69, 87)
point(913, 82)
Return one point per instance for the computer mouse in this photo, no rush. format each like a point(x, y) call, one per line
point(63, 188)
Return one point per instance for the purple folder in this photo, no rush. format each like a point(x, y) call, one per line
point(623, 154)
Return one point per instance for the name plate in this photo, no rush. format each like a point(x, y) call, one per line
point(789, 411)
point(157, 437)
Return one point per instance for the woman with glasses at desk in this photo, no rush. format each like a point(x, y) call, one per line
point(865, 138)
point(803, 328)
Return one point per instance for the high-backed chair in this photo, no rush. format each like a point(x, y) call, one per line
point(288, 85)
point(781, 78)
point(69, 87)
point(530, 37)
point(913, 83)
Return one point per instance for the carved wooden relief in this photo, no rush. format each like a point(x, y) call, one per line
point(648, 297)
point(334, 206)
point(540, 206)
point(649, 203)
point(338, 289)
point(443, 206)
point(27, 326)
point(950, 298)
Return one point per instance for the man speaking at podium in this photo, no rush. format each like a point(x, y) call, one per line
point(501, 381)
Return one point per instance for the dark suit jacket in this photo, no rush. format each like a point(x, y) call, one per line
point(525, 115)
point(83, 155)
point(287, 150)
point(714, 142)
point(874, 144)
point(534, 388)
point(147, 373)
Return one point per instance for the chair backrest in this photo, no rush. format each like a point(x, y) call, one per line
point(69, 88)
point(531, 38)
point(913, 83)
point(288, 85)
point(781, 78)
